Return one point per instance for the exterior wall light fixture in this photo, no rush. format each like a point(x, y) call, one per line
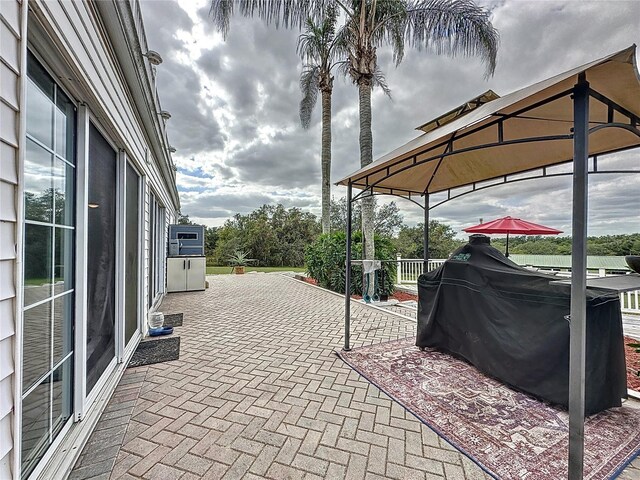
point(153, 56)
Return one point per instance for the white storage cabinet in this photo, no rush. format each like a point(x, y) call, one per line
point(185, 274)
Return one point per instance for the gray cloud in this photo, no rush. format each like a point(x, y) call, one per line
point(225, 205)
point(260, 148)
point(178, 85)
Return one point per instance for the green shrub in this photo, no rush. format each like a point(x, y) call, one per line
point(211, 262)
point(325, 260)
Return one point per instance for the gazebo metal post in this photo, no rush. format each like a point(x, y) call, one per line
point(425, 233)
point(578, 279)
point(347, 275)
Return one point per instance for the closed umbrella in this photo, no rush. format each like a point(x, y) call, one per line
point(512, 225)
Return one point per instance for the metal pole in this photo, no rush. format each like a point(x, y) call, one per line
point(577, 339)
point(347, 276)
point(425, 238)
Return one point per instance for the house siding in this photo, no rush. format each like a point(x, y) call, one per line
point(10, 64)
point(73, 41)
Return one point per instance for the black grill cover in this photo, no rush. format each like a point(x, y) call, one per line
point(513, 325)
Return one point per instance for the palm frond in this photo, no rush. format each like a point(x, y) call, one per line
point(379, 80)
point(286, 13)
point(388, 26)
point(317, 44)
point(309, 80)
point(453, 28)
point(309, 41)
point(220, 13)
point(344, 68)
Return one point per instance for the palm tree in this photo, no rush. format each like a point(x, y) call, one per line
point(451, 27)
point(318, 48)
point(448, 27)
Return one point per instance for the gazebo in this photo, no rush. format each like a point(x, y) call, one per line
point(588, 111)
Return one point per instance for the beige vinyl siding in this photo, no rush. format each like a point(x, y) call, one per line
point(10, 54)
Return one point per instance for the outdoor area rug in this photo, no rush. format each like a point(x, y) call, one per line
point(508, 434)
point(156, 350)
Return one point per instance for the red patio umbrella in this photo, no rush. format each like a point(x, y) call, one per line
point(512, 225)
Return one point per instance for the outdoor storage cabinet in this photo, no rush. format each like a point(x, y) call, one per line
point(185, 274)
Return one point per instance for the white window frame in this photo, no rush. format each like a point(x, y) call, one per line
point(83, 401)
point(125, 349)
point(18, 361)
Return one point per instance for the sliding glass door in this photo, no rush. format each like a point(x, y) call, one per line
point(101, 254)
point(49, 243)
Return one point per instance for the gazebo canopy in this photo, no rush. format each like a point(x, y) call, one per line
point(525, 130)
point(590, 110)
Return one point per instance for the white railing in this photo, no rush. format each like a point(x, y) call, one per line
point(409, 269)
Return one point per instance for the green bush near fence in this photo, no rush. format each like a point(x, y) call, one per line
point(325, 260)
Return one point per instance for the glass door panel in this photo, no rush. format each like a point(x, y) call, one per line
point(101, 268)
point(48, 263)
point(131, 254)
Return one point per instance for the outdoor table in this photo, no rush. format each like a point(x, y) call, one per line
point(615, 283)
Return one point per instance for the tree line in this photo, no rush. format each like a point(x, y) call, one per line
point(607, 245)
point(273, 235)
point(270, 236)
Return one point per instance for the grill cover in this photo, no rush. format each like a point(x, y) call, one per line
point(513, 325)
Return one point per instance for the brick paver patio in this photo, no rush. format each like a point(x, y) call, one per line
point(259, 393)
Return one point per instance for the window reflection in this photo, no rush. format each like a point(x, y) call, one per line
point(63, 192)
point(37, 263)
point(37, 344)
point(62, 391)
point(38, 185)
point(62, 331)
point(39, 114)
point(63, 266)
point(48, 264)
point(35, 424)
point(64, 126)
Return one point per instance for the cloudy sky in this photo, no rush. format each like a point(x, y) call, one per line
point(237, 132)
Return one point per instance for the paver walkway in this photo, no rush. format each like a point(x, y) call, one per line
point(258, 392)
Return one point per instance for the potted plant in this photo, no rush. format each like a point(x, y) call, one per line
point(238, 260)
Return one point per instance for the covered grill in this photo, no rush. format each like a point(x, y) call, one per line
point(512, 324)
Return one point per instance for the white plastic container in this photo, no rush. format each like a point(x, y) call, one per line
point(156, 320)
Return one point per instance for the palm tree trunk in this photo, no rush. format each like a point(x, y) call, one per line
point(366, 157)
point(326, 160)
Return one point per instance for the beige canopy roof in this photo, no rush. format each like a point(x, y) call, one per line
point(525, 130)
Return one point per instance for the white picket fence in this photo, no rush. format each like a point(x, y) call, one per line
point(409, 269)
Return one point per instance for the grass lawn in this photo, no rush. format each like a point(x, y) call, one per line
point(227, 270)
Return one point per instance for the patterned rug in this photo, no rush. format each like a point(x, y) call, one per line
point(507, 433)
